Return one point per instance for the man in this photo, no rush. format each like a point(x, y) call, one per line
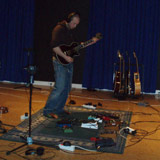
point(61, 35)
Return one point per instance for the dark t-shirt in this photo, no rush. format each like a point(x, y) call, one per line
point(61, 35)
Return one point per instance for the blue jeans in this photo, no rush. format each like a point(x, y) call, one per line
point(58, 96)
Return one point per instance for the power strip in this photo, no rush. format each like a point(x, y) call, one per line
point(67, 148)
point(88, 106)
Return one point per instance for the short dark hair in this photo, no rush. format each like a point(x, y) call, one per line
point(72, 15)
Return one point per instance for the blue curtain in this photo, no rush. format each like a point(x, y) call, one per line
point(126, 25)
point(16, 34)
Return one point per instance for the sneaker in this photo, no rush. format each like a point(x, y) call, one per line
point(51, 115)
point(64, 113)
point(67, 112)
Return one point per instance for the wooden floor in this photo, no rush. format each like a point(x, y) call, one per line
point(145, 119)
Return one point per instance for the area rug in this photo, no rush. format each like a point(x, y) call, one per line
point(51, 132)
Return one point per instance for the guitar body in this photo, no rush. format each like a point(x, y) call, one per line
point(137, 84)
point(69, 51)
point(128, 83)
point(117, 83)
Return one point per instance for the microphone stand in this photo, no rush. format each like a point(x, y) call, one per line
point(28, 50)
point(32, 71)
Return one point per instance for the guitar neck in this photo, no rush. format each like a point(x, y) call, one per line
point(136, 62)
point(137, 66)
point(86, 43)
point(123, 68)
point(83, 45)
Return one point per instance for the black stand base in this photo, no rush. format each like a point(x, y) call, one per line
point(28, 142)
point(26, 86)
point(9, 152)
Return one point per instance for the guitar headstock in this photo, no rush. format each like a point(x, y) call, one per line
point(134, 53)
point(119, 54)
point(99, 36)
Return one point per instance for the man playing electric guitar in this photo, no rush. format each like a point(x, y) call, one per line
point(62, 36)
point(73, 49)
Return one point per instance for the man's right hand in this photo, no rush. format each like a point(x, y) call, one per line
point(58, 51)
point(69, 59)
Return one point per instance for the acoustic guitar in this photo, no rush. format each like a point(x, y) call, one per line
point(137, 83)
point(72, 50)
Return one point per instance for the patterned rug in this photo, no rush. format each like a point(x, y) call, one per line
point(50, 132)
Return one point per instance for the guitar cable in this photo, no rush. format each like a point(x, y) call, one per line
point(2, 129)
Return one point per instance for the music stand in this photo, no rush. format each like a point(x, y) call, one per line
point(28, 50)
point(32, 71)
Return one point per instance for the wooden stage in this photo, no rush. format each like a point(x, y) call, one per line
point(145, 119)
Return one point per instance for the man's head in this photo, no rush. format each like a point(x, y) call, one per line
point(73, 20)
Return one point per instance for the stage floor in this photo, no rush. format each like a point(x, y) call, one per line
point(145, 119)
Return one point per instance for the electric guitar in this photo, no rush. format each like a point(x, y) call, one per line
point(137, 83)
point(73, 49)
point(124, 80)
point(118, 76)
point(128, 76)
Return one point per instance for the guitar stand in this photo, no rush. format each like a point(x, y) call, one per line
point(124, 94)
point(28, 140)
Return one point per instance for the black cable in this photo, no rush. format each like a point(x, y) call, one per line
point(154, 131)
point(89, 154)
point(21, 156)
point(152, 139)
point(8, 125)
point(155, 109)
point(145, 122)
point(3, 158)
point(142, 134)
point(139, 139)
point(143, 113)
point(37, 156)
point(3, 151)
